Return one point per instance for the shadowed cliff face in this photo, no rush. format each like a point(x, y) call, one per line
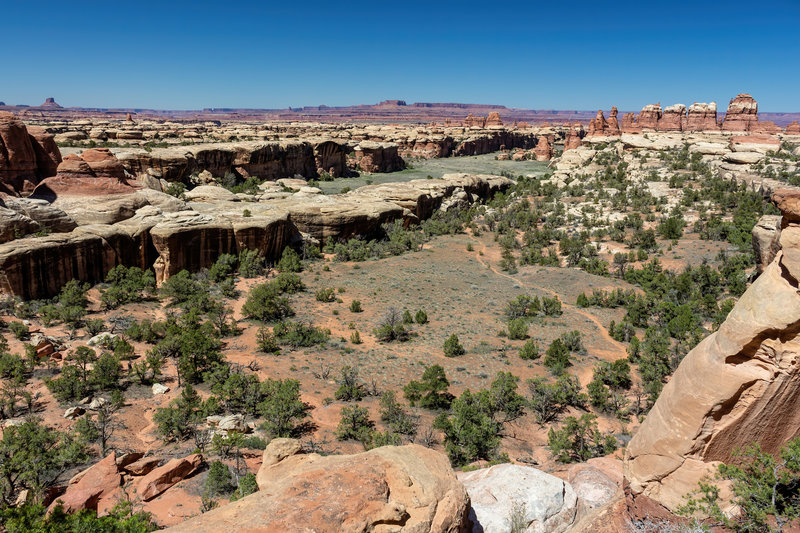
point(740, 385)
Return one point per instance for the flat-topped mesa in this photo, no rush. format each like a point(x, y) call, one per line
point(96, 230)
point(739, 386)
point(27, 155)
point(702, 117)
point(742, 114)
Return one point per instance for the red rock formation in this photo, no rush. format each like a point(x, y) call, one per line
point(766, 126)
point(702, 117)
point(755, 143)
point(742, 114)
point(50, 102)
point(25, 156)
point(543, 150)
point(629, 124)
point(474, 122)
point(649, 117)
point(493, 119)
point(672, 118)
point(599, 126)
point(95, 172)
point(391, 488)
point(96, 488)
point(737, 387)
point(613, 124)
point(793, 128)
point(163, 477)
point(574, 136)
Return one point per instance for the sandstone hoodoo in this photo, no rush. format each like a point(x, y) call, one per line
point(393, 488)
point(26, 156)
point(493, 119)
point(702, 117)
point(673, 118)
point(743, 383)
point(544, 150)
point(600, 127)
point(742, 114)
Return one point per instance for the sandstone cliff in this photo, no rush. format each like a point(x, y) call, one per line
point(738, 386)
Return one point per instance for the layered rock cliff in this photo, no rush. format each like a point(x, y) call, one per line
point(740, 385)
point(99, 227)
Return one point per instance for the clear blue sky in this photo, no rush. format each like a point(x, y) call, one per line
point(563, 54)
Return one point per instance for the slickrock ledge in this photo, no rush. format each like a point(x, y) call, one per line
point(393, 488)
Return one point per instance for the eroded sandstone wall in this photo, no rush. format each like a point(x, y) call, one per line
point(740, 385)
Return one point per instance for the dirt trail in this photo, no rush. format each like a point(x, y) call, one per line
point(620, 351)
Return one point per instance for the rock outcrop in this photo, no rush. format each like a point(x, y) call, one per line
point(600, 127)
point(543, 150)
point(544, 502)
point(672, 118)
point(97, 488)
point(766, 233)
point(378, 157)
point(160, 479)
point(26, 156)
point(267, 160)
point(793, 128)
point(742, 114)
point(150, 229)
point(702, 117)
point(393, 488)
point(493, 119)
point(740, 385)
point(574, 137)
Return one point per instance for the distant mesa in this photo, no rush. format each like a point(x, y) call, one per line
point(393, 102)
point(51, 102)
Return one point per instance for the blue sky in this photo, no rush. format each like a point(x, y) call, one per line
point(570, 54)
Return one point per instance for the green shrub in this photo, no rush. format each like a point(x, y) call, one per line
point(421, 317)
point(529, 351)
point(517, 329)
point(290, 261)
point(453, 348)
point(325, 295)
point(355, 306)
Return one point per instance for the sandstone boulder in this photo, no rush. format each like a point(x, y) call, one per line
point(394, 488)
point(755, 143)
point(542, 502)
point(163, 477)
point(96, 488)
